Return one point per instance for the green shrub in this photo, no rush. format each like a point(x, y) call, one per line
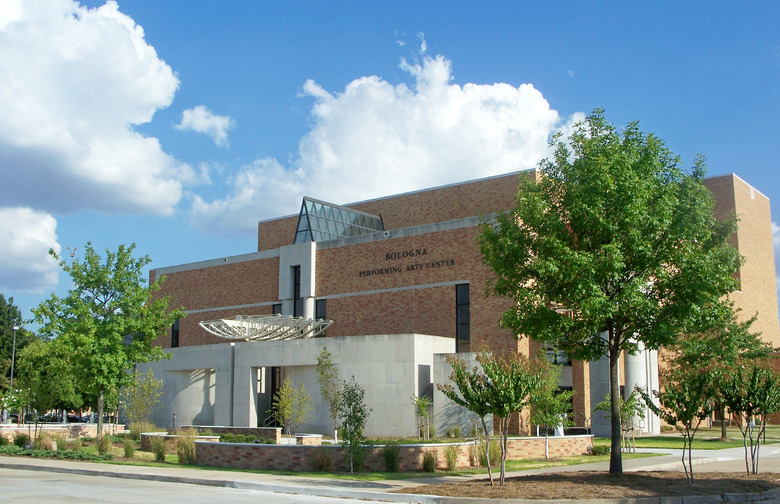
point(61, 454)
point(322, 459)
point(60, 441)
point(600, 450)
point(129, 447)
point(103, 443)
point(158, 448)
point(43, 442)
point(456, 431)
point(429, 462)
point(431, 431)
point(136, 428)
point(74, 444)
point(21, 439)
point(4, 440)
point(451, 453)
point(185, 446)
point(391, 453)
point(495, 453)
point(450, 433)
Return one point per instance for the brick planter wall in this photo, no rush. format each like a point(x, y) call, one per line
point(301, 457)
point(170, 440)
point(69, 430)
point(274, 433)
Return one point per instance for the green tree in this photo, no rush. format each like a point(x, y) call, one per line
point(10, 317)
point(330, 385)
point(422, 412)
point(292, 406)
point(630, 408)
point(109, 319)
point(471, 390)
point(549, 405)
point(507, 384)
point(354, 415)
point(684, 403)
point(719, 350)
point(45, 377)
point(513, 381)
point(753, 393)
point(141, 396)
point(613, 245)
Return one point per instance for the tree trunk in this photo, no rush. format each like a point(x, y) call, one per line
point(722, 411)
point(100, 413)
point(616, 455)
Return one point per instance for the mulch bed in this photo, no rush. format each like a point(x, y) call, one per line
point(600, 485)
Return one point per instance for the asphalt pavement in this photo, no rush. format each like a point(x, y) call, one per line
point(726, 460)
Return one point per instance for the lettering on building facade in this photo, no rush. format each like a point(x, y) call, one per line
point(415, 266)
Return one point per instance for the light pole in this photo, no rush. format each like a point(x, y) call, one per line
point(13, 358)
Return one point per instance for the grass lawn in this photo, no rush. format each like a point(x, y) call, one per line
point(706, 438)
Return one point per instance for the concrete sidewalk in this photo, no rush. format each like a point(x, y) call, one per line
point(726, 460)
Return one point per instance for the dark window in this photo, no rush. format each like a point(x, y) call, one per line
point(297, 301)
point(276, 309)
point(558, 357)
point(175, 334)
point(462, 322)
point(320, 312)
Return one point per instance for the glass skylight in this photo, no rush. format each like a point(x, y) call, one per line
point(320, 221)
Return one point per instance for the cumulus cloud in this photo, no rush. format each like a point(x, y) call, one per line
point(27, 237)
point(375, 138)
point(201, 120)
point(74, 83)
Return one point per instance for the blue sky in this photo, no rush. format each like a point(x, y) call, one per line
point(178, 125)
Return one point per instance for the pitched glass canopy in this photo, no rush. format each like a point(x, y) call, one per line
point(320, 221)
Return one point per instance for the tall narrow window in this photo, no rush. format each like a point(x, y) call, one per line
point(462, 319)
point(276, 309)
point(320, 312)
point(297, 301)
point(175, 334)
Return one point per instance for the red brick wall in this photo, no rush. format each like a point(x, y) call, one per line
point(481, 197)
point(300, 458)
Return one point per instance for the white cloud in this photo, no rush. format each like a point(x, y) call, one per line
point(74, 82)
point(201, 120)
point(27, 235)
point(376, 138)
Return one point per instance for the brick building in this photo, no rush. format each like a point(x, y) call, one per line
point(402, 280)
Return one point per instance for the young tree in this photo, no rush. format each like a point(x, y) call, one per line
point(10, 317)
point(471, 391)
point(292, 406)
point(109, 319)
point(141, 396)
point(631, 408)
point(613, 245)
point(753, 393)
point(46, 378)
point(506, 385)
point(720, 349)
point(354, 415)
point(423, 414)
point(550, 405)
point(684, 403)
point(330, 385)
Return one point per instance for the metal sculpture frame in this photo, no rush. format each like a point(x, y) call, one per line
point(265, 327)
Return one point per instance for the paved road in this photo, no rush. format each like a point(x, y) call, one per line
point(24, 479)
point(45, 487)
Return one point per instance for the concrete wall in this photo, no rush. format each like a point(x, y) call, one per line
point(218, 384)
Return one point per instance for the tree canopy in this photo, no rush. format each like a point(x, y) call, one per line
point(612, 244)
point(109, 318)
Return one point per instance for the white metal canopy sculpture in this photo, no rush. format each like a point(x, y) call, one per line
point(265, 327)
